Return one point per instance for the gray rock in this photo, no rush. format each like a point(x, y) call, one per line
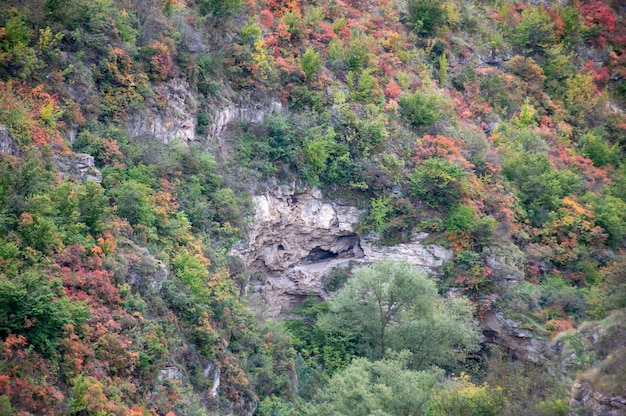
point(506, 261)
point(143, 269)
point(78, 165)
point(595, 403)
point(519, 341)
point(212, 372)
point(171, 372)
point(298, 238)
point(7, 144)
point(246, 111)
point(174, 123)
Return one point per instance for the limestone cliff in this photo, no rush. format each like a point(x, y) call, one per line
point(298, 237)
point(174, 121)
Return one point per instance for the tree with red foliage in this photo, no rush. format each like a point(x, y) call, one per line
point(600, 21)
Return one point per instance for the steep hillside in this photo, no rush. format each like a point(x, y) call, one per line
point(191, 193)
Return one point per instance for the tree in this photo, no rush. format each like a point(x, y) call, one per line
point(393, 306)
point(310, 63)
point(420, 109)
point(36, 307)
point(384, 387)
point(134, 203)
point(426, 15)
point(93, 206)
point(438, 181)
point(535, 31)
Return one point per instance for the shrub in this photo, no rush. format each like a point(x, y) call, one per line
point(426, 15)
point(438, 181)
point(310, 63)
point(37, 307)
point(219, 8)
point(134, 202)
point(598, 150)
point(420, 110)
point(462, 397)
point(535, 31)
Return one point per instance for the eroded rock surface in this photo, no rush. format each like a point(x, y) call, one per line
point(520, 342)
point(78, 165)
point(595, 403)
point(175, 122)
point(7, 144)
point(246, 111)
point(298, 237)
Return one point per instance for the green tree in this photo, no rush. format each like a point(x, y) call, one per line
point(463, 398)
point(393, 306)
point(36, 307)
point(420, 110)
point(384, 387)
point(596, 148)
point(439, 181)
point(134, 202)
point(220, 8)
point(535, 31)
point(93, 206)
point(310, 63)
point(426, 15)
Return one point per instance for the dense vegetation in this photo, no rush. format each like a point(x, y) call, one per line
point(494, 126)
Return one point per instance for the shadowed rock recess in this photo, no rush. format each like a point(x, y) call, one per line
point(298, 237)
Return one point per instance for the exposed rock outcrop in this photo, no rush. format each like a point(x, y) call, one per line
point(253, 112)
point(505, 260)
point(175, 122)
point(599, 390)
point(78, 165)
point(508, 334)
point(142, 271)
point(595, 403)
point(212, 372)
point(298, 237)
point(7, 144)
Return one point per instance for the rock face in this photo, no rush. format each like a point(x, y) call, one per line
point(175, 122)
point(506, 261)
point(506, 332)
point(599, 390)
point(246, 111)
point(298, 237)
point(594, 403)
point(78, 165)
point(7, 144)
point(142, 270)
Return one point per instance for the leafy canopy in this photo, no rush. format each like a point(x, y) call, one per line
point(394, 306)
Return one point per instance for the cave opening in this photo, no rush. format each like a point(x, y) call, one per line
point(319, 254)
point(343, 247)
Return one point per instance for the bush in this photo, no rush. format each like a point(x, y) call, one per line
point(134, 202)
point(220, 8)
point(310, 63)
point(426, 15)
point(438, 181)
point(420, 110)
point(461, 217)
point(36, 307)
point(598, 150)
point(462, 397)
point(535, 31)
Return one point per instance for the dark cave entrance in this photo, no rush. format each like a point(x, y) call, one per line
point(319, 254)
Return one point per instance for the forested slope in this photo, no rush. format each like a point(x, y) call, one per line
point(134, 134)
